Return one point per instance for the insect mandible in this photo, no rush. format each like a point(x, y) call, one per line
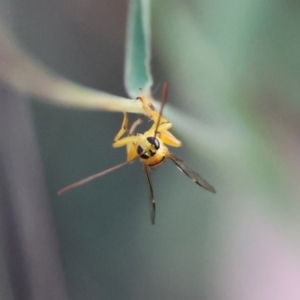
point(150, 148)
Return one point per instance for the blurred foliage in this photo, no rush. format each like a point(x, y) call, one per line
point(138, 49)
point(233, 68)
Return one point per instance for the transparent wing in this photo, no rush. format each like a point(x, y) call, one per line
point(90, 178)
point(152, 201)
point(191, 173)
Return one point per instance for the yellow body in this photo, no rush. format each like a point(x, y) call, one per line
point(139, 145)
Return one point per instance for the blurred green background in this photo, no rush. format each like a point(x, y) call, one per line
point(234, 72)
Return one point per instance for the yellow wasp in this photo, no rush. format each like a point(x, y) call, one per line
point(149, 147)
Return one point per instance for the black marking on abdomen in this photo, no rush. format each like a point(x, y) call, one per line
point(141, 154)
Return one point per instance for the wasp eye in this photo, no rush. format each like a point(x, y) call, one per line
point(153, 141)
point(140, 151)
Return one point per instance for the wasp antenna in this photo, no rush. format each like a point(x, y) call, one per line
point(163, 103)
point(191, 173)
point(152, 201)
point(90, 178)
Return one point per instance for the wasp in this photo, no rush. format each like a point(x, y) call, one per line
point(150, 148)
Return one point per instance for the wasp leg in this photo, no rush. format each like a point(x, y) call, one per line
point(149, 111)
point(164, 127)
point(123, 129)
point(135, 125)
point(169, 139)
point(152, 201)
point(129, 142)
point(131, 151)
point(155, 129)
point(124, 141)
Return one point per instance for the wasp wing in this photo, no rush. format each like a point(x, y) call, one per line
point(191, 174)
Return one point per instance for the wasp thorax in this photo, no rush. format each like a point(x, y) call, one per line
point(150, 149)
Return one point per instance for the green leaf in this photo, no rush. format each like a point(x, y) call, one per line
point(138, 49)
